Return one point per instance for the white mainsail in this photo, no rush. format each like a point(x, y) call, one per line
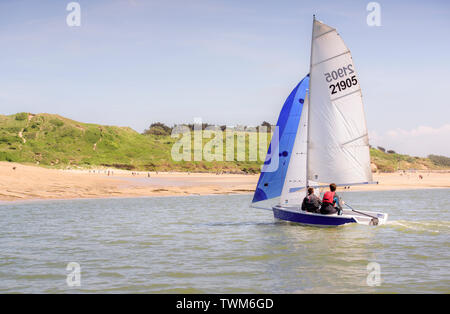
point(338, 145)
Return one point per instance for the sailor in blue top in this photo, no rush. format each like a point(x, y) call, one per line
point(331, 202)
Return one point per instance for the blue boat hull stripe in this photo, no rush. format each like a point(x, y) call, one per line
point(311, 219)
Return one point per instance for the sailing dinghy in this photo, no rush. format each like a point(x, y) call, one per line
point(321, 137)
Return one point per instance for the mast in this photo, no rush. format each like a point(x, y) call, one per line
point(338, 149)
point(309, 105)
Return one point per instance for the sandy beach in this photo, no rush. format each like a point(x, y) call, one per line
point(24, 182)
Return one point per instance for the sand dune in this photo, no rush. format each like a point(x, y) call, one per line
point(23, 182)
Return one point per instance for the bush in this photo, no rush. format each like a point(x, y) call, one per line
point(440, 160)
point(382, 149)
point(156, 131)
point(391, 151)
point(21, 116)
point(385, 168)
point(4, 156)
point(92, 135)
point(56, 122)
point(267, 125)
point(158, 128)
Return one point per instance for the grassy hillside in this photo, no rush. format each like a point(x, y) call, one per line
point(52, 140)
point(55, 141)
point(390, 162)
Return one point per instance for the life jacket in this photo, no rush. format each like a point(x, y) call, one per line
point(328, 197)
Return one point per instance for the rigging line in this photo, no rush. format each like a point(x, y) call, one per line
point(355, 139)
point(341, 54)
point(342, 146)
point(332, 30)
point(358, 162)
point(347, 124)
point(351, 93)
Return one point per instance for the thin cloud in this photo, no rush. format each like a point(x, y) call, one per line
point(420, 141)
point(420, 131)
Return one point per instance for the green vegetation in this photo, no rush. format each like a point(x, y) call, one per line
point(158, 128)
point(390, 161)
point(21, 116)
point(54, 141)
point(440, 161)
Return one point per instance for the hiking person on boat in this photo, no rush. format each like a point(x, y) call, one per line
point(331, 202)
point(311, 203)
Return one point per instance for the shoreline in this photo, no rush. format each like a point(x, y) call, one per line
point(106, 197)
point(19, 182)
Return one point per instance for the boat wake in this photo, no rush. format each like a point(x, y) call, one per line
point(429, 226)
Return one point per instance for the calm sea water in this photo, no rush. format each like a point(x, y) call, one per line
point(217, 244)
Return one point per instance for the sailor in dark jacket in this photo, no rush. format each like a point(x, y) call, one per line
point(311, 203)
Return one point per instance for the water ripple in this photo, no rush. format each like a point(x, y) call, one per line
point(217, 244)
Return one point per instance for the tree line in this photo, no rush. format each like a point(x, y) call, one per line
point(440, 160)
point(161, 129)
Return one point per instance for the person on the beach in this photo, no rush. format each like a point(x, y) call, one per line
point(331, 202)
point(311, 203)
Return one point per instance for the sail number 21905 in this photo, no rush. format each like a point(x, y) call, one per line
point(341, 84)
point(339, 73)
point(344, 84)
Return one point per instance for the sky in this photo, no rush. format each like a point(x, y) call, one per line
point(135, 62)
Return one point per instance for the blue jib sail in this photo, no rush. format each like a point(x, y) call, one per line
point(271, 180)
